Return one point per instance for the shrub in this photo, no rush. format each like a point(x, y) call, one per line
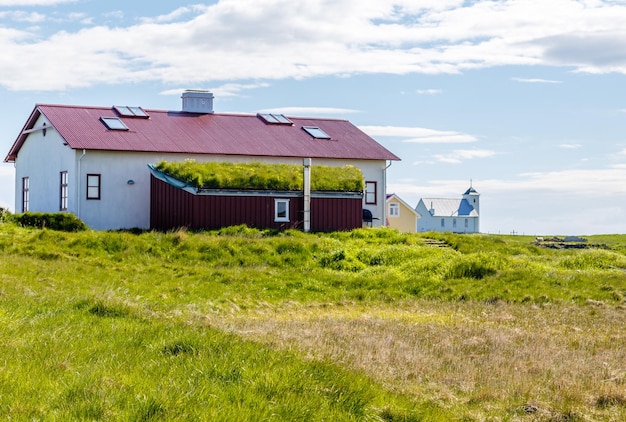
point(5, 215)
point(61, 221)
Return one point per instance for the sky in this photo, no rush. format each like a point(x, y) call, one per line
point(524, 100)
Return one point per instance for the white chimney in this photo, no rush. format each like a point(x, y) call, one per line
point(197, 101)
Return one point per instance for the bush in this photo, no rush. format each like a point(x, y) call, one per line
point(61, 221)
point(5, 215)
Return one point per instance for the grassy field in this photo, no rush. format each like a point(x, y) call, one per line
point(241, 324)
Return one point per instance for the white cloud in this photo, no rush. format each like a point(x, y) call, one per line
point(17, 3)
point(570, 146)
point(460, 155)
point(429, 91)
point(276, 39)
point(22, 16)
point(536, 81)
point(222, 91)
point(310, 111)
point(419, 135)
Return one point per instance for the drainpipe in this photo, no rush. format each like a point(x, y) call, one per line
point(78, 179)
point(384, 219)
point(307, 194)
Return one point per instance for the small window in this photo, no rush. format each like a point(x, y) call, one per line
point(113, 123)
point(316, 132)
point(370, 192)
point(466, 223)
point(64, 191)
point(275, 119)
point(93, 186)
point(281, 210)
point(394, 209)
point(25, 194)
point(127, 111)
point(443, 222)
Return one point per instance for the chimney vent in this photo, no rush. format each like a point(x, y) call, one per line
point(197, 101)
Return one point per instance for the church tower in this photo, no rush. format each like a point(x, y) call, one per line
point(473, 198)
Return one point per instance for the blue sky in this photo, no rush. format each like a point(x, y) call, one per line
point(524, 98)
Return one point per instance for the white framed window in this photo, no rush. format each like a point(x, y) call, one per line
point(25, 194)
point(394, 209)
point(281, 210)
point(63, 192)
point(93, 186)
point(370, 192)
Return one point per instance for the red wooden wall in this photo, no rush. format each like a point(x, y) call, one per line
point(172, 208)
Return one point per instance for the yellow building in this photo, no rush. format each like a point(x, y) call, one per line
point(400, 215)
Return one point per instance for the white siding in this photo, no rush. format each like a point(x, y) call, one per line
point(42, 159)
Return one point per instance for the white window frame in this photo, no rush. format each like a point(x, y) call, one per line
point(281, 215)
point(63, 191)
point(25, 194)
point(371, 192)
point(394, 209)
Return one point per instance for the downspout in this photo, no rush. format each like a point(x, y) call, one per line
point(307, 194)
point(384, 202)
point(78, 179)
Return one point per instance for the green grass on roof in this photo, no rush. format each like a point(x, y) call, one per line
point(262, 176)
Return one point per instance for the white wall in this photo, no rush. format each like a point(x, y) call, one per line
point(41, 159)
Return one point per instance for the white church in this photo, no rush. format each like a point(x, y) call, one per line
point(450, 215)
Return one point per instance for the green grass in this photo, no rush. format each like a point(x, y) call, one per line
point(261, 176)
point(123, 326)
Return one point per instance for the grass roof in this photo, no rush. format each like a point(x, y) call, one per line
point(262, 176)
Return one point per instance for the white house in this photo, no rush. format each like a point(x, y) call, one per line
point(450, 215)
point(92, 161)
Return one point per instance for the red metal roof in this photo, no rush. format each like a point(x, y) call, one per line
point(189, 133)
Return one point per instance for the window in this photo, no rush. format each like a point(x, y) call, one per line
point(93, 186)
point(443, 222)
point(466, 223)
point(113, 123)
point(64, 192)
point(454, 223)
point(127, 111)
point(370, 192)
point(25, 194)
point(394, 209)
point(316, 132)
point(275, 119)
point(281, 210)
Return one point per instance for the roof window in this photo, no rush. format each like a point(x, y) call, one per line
point(316, 132)
point(127, 111)
point(113, 123)
point(274, 119)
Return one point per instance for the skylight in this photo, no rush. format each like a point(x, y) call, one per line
point(127, 111)
point(275, 119)
point(113, 123)
point(316, 132)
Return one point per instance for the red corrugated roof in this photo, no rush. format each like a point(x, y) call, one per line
point(228, 134)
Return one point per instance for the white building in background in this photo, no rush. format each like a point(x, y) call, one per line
point(450, 215)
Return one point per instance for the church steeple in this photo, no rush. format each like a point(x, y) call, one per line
point(473, 198)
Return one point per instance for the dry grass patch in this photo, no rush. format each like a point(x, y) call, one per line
point(554, 362)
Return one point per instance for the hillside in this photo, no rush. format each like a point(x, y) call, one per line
point(242, 324)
